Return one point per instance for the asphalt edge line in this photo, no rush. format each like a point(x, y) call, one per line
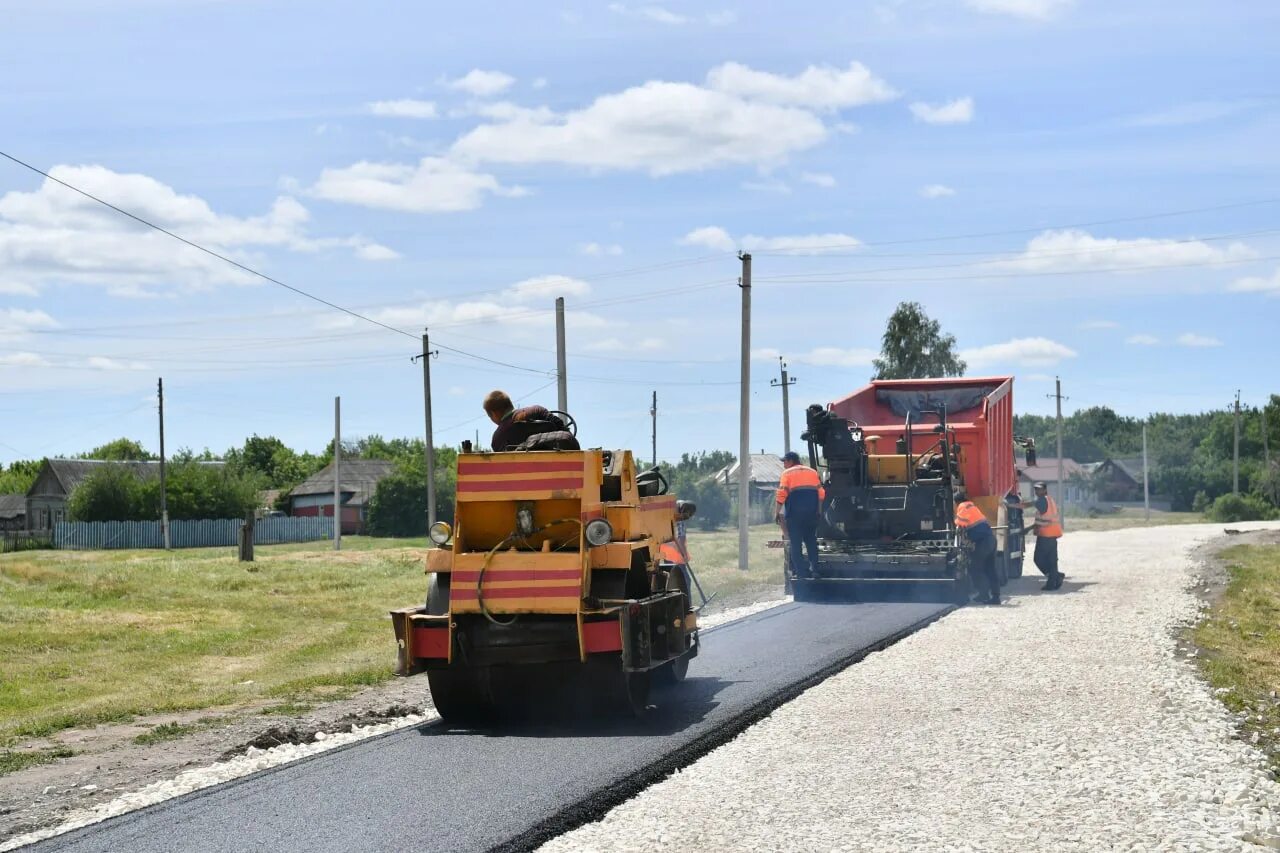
point(596, 805)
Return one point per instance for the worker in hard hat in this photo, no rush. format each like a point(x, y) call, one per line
point(1048, 528)
point(800, 496)
point(973, 524)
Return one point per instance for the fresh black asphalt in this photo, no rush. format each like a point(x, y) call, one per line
point(435, 788)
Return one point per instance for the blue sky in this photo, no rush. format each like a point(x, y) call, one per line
point(1072, 188)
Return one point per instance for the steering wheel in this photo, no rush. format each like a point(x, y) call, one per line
point(569, 423)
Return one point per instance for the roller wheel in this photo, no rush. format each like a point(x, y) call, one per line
point(615, 691)
point(461, 694)
point(674, 672)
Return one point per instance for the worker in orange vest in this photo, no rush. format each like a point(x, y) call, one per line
point(1048, 529)
point(973, 524)
point(800, 496)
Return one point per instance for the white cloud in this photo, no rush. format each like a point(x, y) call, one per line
point(959, 111)
point(598, 249)
point(434, 185)
point(19, 321)
point(55, 235)
point(1099, 324)
point(483, 84)
point(1191, 339)
point(547, 287)
point(821, 356)
point(23, 359)
point(508, 111)
point(404, 108)
point(818, 179)
point(715, 237)
point(1142, 340)
point(1074, 249)
point(376, 252)
point(652, 13)
point(100, 362)
point(539, 83)
point(817, 87)
point(936, 191)
point(1019, 352)
point(1036, 10)
point(1258, 284)
point(663, 128)
point(772, 185)
point(710, 236)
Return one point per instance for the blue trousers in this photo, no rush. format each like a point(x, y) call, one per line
point(802, 530)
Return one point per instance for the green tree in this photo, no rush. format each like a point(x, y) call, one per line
point(19, 477)
point(914, 347)
point(112, 493)
point(399, 503)
point(197, 490)
point(119, 450)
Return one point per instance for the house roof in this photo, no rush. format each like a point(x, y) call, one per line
point(359, 478)
point(765, 468)
point(1047, 470)
point(72, 472)
point(12, 506)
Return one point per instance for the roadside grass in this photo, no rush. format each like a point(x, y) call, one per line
point(1240, 642)
point(93, 637)
point(1128, 517)
point(175, 731)
point(13, 761)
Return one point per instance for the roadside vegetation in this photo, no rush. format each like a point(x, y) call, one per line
point(1240, 643)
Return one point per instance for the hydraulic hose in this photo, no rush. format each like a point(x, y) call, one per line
point(484, 567)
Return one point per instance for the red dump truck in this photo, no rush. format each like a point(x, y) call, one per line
point(892, 456)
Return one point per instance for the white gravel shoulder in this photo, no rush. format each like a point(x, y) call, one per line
point(1060, 721)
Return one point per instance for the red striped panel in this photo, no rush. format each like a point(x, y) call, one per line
point(518, 575)
point(430, 642)
point(520, 485)
point(602, 636)
point(669, 504)
point(536, 467)
point(469, 593)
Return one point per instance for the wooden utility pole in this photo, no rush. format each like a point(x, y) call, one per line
point(1146, 490)
point(786, 405)
point(744, 415)
point(164, 498)
point(1235, 453)
point(562, 382)
point(337, 473)
point(653, 413)
point(431, 449)
point(1062, 486)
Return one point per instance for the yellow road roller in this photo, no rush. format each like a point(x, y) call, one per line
point(560, 565)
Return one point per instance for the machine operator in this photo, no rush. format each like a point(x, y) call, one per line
point(514, 425)
point(800, 496)
point(973, 523)
point(1048, 529)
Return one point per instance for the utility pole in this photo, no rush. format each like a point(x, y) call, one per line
point(164, 498)
point(653, 413)
point(786, 406)
point(431, 448)
point(1235, 455)
point(562, 383)
point(744, 414)
point(337, 476)
point(1146, 489)
point(1062, 487)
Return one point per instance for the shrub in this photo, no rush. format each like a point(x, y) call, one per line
point(1201, 502)
point(1241, 508)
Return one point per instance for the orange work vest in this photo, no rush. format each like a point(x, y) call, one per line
point(799, 478)
point(968, 514)
point(1048, 523)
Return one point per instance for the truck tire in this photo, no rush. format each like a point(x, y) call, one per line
point(675, 671)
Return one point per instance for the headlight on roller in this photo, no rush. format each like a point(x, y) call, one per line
point(598, 532)
point(440, 533)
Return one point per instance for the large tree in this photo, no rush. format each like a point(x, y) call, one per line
point(914, 347)
point(119, 450)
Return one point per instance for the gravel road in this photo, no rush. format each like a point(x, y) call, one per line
point(1063, 721)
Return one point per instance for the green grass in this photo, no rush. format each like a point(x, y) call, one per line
point(1240, 639)
point(714, 557)
point(174, 731)
point(1128, 518)
point(12, 762)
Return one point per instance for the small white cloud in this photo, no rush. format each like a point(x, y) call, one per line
point(1258, 284)
point(658, 14)
point(458, 391)
point(1020, 352)
point(404, 108)
point(821, 356)
point(710, 236)
point(1035, 10)
point(936, 191)
point(801, 244)
point(22, 359)
point(1099, 324)
point(770, 186)
point(483, 84)
point(376, 252)
point(17, 321)
point(1073, 249)
point(99, 362)
point(434, 185)
point(1142, 340)
point(959, 111)
point(539, 83)
point(599, 249)
point(818, 179)
point(1191, 339)
point(822, 87)
point(547, 287)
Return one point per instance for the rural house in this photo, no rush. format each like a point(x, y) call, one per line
point(13, 512)
point(1116, 480)
point(1077, 491)
point(359, 479)
point(766, 474)
point(46, 500)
